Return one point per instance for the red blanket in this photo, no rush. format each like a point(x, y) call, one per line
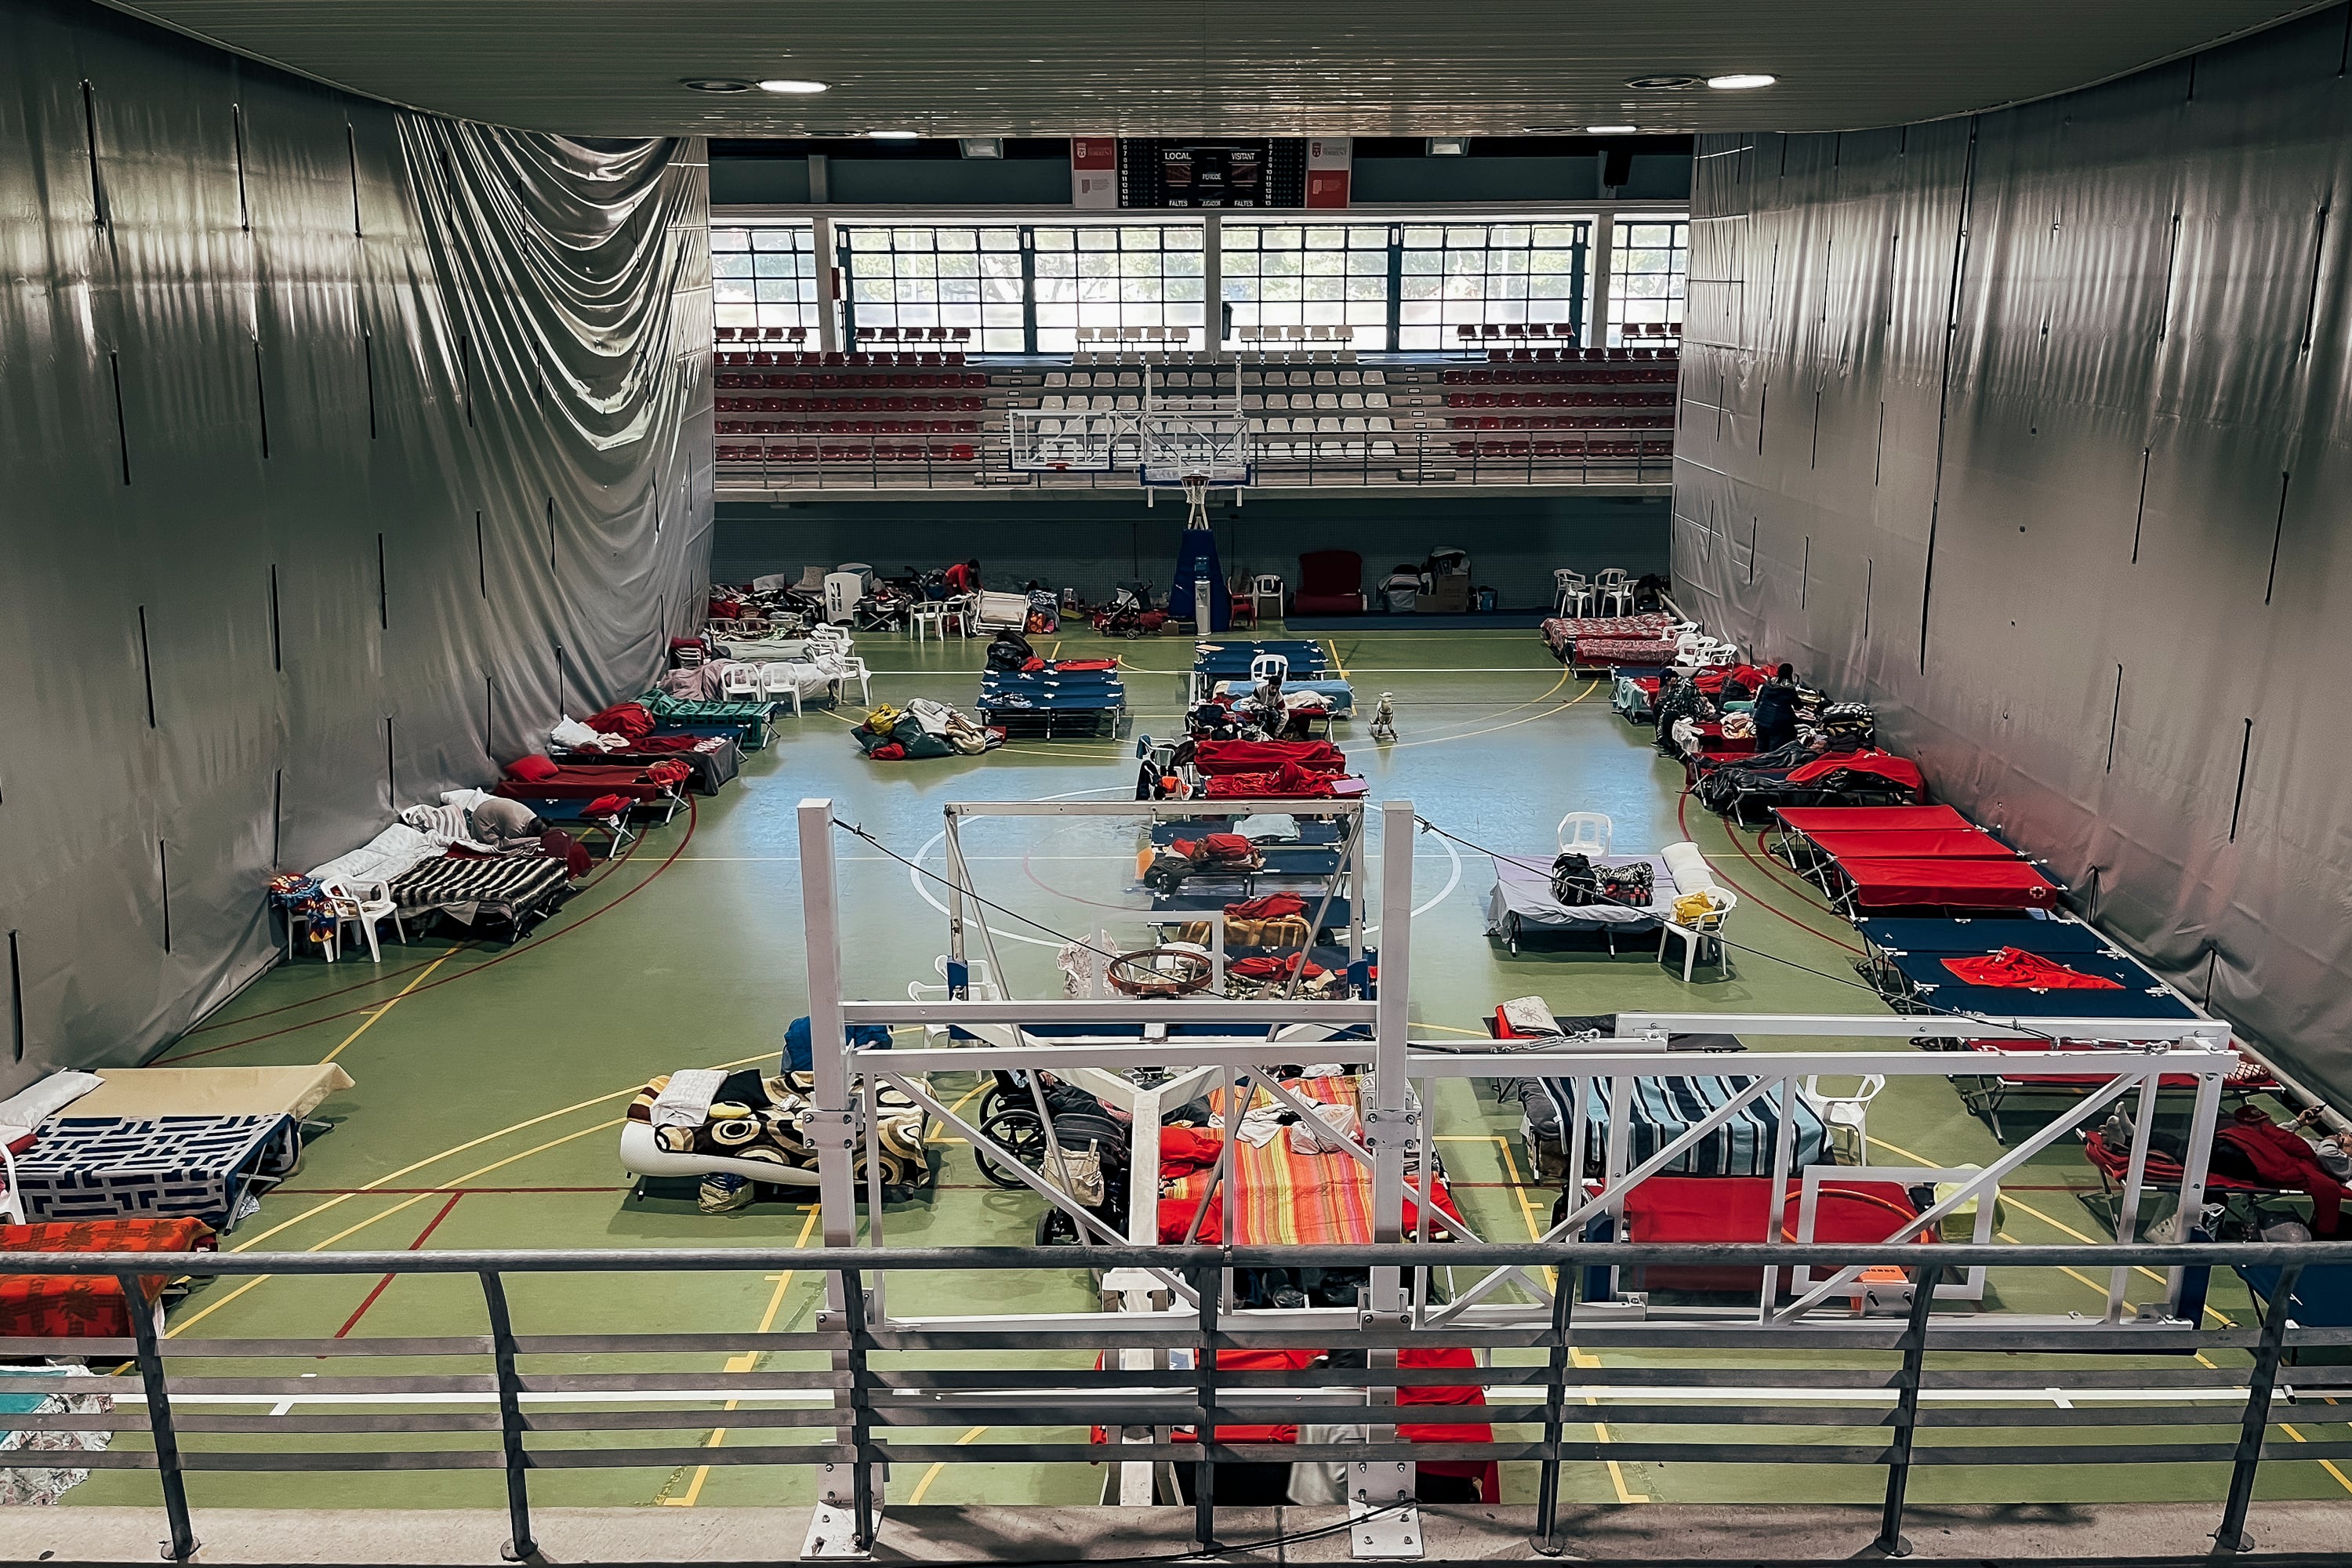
point(1266, 756)
point(585, 782)
point(1911, 844)
point(1950, 884)
point(1267, 907)
point(2013, 968)
point(1887, 766)
point(628, 718)
point(1734, 1208)
point(73, 1306)
point(1289, 781)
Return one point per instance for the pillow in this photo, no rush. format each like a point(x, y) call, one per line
point(533, 769)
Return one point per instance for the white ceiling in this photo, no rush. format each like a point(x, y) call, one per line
point(1045, 67)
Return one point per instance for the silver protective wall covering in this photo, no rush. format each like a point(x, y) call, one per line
point(344, 447)
point(2031, 428)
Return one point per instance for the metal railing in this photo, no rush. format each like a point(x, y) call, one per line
point(863, 1411)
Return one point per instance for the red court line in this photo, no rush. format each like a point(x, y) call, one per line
point(417, 1245)
point(1681, 805)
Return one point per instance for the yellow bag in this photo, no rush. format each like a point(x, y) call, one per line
point(1693, 907)
point(884, 718)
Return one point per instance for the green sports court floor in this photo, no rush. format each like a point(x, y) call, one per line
point(491, 1081)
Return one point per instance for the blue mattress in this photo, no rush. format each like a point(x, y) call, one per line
point(557, 812)
point(2143, 996)
point(2322, 1292)
point(2052, 939)
point(1232, 659)
point(1663, 1108)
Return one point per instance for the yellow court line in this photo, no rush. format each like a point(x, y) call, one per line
point(745, 1362)
point(2053, 1223)
point(1530, 718)
point(937, 1137)
point(193, 1318)
point(387, 1007)
point(2327, 1464)
point(1599, 1429)
point(933, 1473)
point(1333, 644)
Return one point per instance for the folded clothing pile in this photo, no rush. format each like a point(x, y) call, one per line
point(923, 729)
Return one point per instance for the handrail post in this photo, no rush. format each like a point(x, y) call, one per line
point(1208, 1285)
point(861, 1433)
point(183, 1544)
point(519, 1546)
point(1563, 1296)
point(2260, 1384)
point(1906, 1413)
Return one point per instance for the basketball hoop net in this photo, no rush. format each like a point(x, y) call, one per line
point(1196, 500)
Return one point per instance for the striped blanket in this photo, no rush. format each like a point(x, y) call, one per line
point(464, 888)
point(1282, 1199)
point(1664, 1108)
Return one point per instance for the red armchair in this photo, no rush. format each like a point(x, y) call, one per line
point(1330, 582)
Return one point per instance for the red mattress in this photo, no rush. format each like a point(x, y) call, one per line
point(1895, 769)
point(1847, 818)
point(1892, 884)
point(583, 782)
point(1268, 756)
point(1734, 1209)
point(1290, 782)
point(1912, 844)
point(88, 1306)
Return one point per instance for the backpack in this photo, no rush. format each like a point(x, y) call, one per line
point(1009, 651)
point(1628, 884)
point(1573, 882)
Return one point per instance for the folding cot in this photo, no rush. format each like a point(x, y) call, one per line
point(91, 1306)
point(1659, 1110)
point(1687, 1209)
point(520, 890)
point(653, 785)
point(1888, 937)
point(1797, 823)
point(573, 815)
point(2084, 978)
point(713, 757)
point(2239, 1198)
point(1601, 642)
point(1520, 903)
point(1955, 883)
point(209, 1168)
point(1054, 702)
point(1291, 846)
point(758, 714)
point(1864, 776)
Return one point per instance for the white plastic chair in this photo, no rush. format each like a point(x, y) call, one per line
point(1586, 833)
point(858, 673)
point(1695, 934)
point(367, 906)
point(828, 639)
point(1265, 585)
point(930, 617)
point(1614, 592)
point(1847, 1116)
point(1571, 592)
point(1269, 667)
point(739, 681)
point(780, 683)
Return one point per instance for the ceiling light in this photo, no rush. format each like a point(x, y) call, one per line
point(1660, 83)
point(715, 83)
point(1449, 146)
point(1738, 80)
point(893, 135)
point(983, 146)
point(1608, 130)
point(786, 84)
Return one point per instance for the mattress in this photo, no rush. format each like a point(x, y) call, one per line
point(1842, 818)
point(1987, 933)
point(1910, 844)
point(1664, 1107)
point(134, 1093)
point(1947, 884)
point(2142, 996)
point(88, 1306)
point(644, 1157)
point(157, 1167)
point(1669, 1209)
point(1521, 898)
point(1264, 756)
point(583, 783)
point(465, 888)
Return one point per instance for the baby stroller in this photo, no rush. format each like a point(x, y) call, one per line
point(1129, 613)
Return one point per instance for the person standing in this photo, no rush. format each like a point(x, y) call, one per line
point(1776, 709)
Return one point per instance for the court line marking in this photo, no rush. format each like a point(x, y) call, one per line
point(387, 1007)
point(745, 1362)
point(932, 1474)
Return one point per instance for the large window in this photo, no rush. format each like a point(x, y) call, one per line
point(1309, 275)
point(1461, 275)
point(764, 277)
point(1649, 277)
point(1131, 274)
point(1406, 283)
point(924, 277)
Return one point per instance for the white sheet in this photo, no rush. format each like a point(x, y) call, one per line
point(397, 849)
point(685, 1100)
point(28, 1108)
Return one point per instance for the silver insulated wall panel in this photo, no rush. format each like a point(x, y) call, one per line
point(2030, 429)
point(344, 447)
